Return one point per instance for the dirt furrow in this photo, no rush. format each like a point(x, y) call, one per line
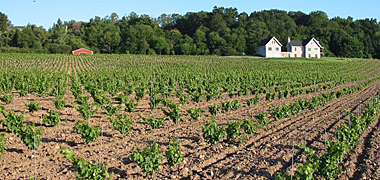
point(242, 113)
point(363, 161)
point(274, 131)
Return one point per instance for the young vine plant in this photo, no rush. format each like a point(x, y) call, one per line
point(85, 169)
point(89, 134)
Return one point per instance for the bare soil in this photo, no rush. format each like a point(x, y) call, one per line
point(266, 152)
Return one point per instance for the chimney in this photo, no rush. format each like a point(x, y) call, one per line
point(288, 39)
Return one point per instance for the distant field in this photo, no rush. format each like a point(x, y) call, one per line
point(265, 111)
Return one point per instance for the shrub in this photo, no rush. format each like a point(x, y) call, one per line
point(195, 113)
point(7, 98)
point(174, 154)
point(2, 142)
point(122, 124)
point(154, 123)
point(30, 136)
point(51, 119)
point(212, 133)
point(12, 121)
point(33, 106)
point(86, 170)
point(59, 103)
point(148, 159)
point(89, 134)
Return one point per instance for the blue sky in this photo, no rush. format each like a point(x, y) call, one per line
point(46, 12)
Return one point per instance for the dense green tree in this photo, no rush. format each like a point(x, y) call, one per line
point(186, 46)
point(173, 37)
point(111, 37)
point(31, 37)
point(200, 41)
point(215, 43)
point(4, 22)
point(160, 45)
point(344, 45)
point(223, 31)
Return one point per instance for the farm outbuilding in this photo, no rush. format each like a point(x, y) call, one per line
point(82, 51)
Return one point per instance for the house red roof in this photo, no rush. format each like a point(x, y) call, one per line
point(82, 51)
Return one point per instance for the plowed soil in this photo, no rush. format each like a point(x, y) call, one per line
point(270, 150)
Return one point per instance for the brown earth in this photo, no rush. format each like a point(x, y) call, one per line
point(265, 153)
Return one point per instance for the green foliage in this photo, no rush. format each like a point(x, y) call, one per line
point(140, 92)
point(196, 33)
point(51, 119)
point(101, 98)
point(253, 101)
point(153, 122)
point(174, 113)
point(328, 165)
point(149, 159)
point(59, 103)
point(122, 124)
point(234, 130)
point(111, 110)
point(306, 171)
point(130, 106)
point(12, 121)
point(7, 98)
point(270, 96)
point(249, 126)
point(33, 106)
point(174, 154)
point(226, 106)
point(85, 169)
point(87, 110)
point(2, 142)
point(89, 134)
point(153, 101)
point(30, 136)
point(82, 99)
point(122, 98)
point(236, 104)
point(214, 109)
point(263, 119)
point(195, 113)
point(197, 95)
point(212, 133)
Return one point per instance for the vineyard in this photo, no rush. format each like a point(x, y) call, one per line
point(188, 117)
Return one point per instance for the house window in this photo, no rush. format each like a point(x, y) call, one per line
point(309, 55)
point(295, 49)
point(309, 49)
point(270, 48)
point(277, 49)
point(295, 55)
point(316, 49)
point(316, 55)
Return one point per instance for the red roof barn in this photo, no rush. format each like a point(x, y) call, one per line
point(82, 51)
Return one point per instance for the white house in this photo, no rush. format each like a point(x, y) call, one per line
point(270, 48)
point(308, 48)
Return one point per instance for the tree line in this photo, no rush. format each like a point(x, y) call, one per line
point(223, 31)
